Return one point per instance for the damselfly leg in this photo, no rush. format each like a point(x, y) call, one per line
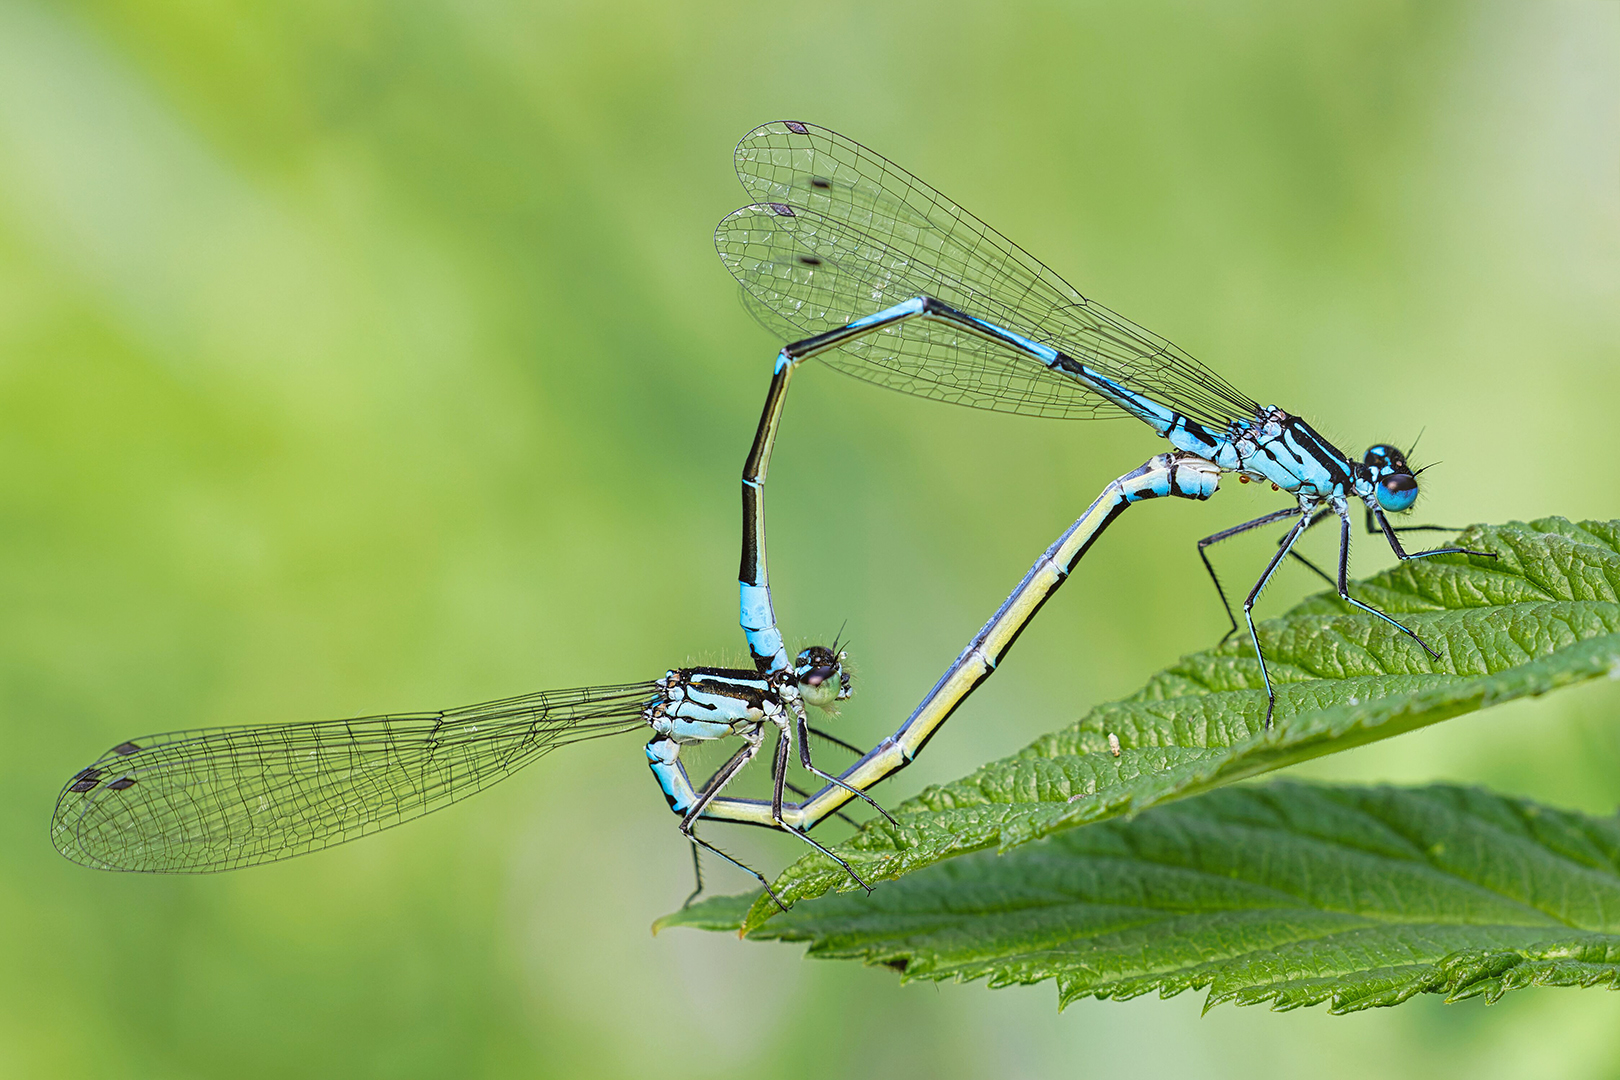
point(1372, 530)
point(1238, 530)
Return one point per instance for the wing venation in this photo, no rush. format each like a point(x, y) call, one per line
point(836, 232)
point(221, 798)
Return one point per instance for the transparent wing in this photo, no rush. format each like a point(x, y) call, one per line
point(221, 798)
point(837, 232)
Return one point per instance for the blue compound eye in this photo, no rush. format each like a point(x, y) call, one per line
point(1397, 492)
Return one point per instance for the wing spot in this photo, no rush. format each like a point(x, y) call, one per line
point(821, 182)
point(781, 209)
point(124, 749)
point(121, 783)
point(86, 780)
point(809, 260)
point(795, 127)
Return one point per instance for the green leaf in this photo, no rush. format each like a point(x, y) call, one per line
point(1540, 616)
point(1290, 893)
point(714, 913)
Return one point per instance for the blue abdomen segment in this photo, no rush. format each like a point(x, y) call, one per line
point(663, 757)
point(1164, 476)
point(1183, 433)
point(899, 311)
point(1045, 353)
point(758, 620)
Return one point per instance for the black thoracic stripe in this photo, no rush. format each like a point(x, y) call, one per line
point(1297, 451)
point(1194, 428)
point(1326, 454)
point(1265, 448)
point(735, 683)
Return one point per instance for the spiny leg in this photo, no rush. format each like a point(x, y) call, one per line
point(1372, 526)
point(1372, 529)
point(1312, 567)
point(1344, 585)
point(780, 781)
point(819, 846)
point(779, 764)
point(1254, 594)
point(691, 834)
point(836, 741)
point(710, 791)
point(1227, 534)
point(718, 782)
point(842, 745)
point(697, 874)
point(1403, 554)
point(804, 761)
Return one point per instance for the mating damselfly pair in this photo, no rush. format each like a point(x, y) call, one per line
point(857, 262)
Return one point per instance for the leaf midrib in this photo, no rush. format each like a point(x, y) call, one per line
point(1297, 902)
point(1420, 859)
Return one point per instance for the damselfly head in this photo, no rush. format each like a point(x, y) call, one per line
point(821, 676)
point(1394, 482)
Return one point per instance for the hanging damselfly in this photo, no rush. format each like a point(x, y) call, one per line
point(858, 262)
point(215, 799)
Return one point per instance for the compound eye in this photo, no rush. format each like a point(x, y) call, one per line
point(1397, 492)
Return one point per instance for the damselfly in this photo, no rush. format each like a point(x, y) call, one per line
point(221, 798)
point(857, 261)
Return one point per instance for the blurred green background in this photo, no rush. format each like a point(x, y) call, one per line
point(362, 356)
